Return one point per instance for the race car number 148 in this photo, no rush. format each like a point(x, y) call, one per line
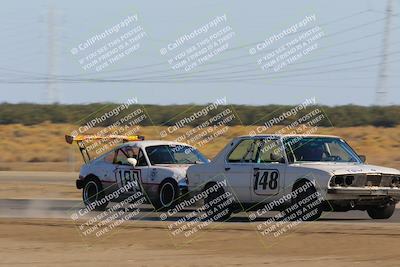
point(266, 182)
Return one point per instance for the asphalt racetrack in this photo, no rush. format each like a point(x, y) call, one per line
point(35, 221)
point(42, 206)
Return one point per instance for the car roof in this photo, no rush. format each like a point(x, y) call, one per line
point(287, 135)
point(147, 143)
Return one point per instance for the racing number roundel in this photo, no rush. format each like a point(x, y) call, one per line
point(128, 178)
point(266, 181)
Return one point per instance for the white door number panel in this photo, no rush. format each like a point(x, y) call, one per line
point(124, 177)
point(266, 181)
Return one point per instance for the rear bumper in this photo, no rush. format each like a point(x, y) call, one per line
point(391, 192)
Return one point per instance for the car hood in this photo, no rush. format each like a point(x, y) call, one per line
point(177, 171)
point(336, 168)
point(172, 166)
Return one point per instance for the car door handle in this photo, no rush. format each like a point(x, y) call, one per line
point(227, 168)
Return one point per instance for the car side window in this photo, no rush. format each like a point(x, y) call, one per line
point(141, 159)
point(121, 158)
point(109, 158)
point(245, 151)
point(271, 151)
point(130, 152)
point(124, 153)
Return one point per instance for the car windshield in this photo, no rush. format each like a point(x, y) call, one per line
point(174, 154)
point(319, 149)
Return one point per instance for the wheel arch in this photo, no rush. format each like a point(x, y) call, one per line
point(209, 183)
point(91, 176)
point(168, 179)
point(301, 181)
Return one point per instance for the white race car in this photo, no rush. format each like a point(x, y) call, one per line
point(156, 168)
point(258, 170)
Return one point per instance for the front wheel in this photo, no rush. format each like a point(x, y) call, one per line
point(308, 202)
point(168, 193)
point(384, 212)
point(218, 204)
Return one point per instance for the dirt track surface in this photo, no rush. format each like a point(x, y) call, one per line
point(56, 243)
point(35, 230)
point(38, 185)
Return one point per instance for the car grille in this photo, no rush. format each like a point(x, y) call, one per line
point(387, 180)
point(362, 180)
point(373, 180)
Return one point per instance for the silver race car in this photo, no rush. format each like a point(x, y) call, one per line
point(156, 168)
point(259, 170)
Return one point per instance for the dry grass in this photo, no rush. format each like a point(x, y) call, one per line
point(42, 147)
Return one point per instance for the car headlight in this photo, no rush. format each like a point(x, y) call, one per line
point(337, 181)
point(395, 181)
point(349, 180)
point(342, 180)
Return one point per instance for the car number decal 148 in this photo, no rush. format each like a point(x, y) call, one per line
point(124, 176)
point(266, 181)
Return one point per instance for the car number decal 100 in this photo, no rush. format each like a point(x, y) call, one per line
point(123, 177)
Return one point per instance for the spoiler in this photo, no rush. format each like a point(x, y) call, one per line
point(82, 148)
point(125, 138)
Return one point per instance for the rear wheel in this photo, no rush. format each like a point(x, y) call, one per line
point(384, 212)
point(93, 195)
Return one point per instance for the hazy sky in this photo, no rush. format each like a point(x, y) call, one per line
point(37, 38)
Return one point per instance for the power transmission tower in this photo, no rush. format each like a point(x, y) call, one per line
point(52, 94)
point(381, 87)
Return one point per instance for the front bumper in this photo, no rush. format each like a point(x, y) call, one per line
point(183, 187)
point(390, 192)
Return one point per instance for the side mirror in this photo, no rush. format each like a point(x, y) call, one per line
point(132, 161)
point(363, 158)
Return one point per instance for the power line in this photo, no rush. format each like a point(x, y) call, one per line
point(200, 78)
point(52, 95)
point(381, 87)
point(230, 49)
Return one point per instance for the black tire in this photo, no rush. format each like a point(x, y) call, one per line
point(215, 213)
point(168, 193)
point(302, 200)
point(382, 212)
point(92, 192)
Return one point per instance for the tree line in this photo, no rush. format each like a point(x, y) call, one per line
point(337, 116)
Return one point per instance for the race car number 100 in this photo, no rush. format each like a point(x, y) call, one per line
point(125, 177)
point(266, 182)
